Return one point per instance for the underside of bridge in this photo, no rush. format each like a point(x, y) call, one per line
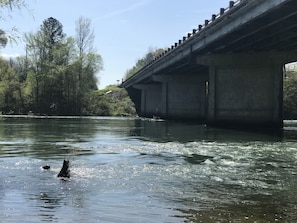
point(231, 73)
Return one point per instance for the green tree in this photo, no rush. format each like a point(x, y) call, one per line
point(119, 103)
point(10, 97)
point(290, 95)
point(6, 7)
point(111, 101)
point(35, 50)
point(20, 67)
point(3, 39)
point(61, 72)
point(88, 63)
point(53, 30)
point(48, 52)
point(57, 75)
point(149, 56)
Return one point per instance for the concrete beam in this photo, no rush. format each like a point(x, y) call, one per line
point(143, 86)
point(244, 59)
point(161, 79)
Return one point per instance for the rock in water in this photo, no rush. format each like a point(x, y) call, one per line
point(46, 167)
point(65, 172)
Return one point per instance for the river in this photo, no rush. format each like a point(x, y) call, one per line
point(141, 170)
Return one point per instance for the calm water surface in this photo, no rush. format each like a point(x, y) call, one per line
point(133, 170)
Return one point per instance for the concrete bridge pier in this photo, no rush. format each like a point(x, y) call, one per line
point(150, 101)
point(172, 97)
point(183, 96)
point(245, 89)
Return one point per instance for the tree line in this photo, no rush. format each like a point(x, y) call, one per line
point(56, 76)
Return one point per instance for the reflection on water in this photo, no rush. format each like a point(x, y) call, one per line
point(133, 170)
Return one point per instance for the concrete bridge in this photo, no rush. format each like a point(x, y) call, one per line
point(227, 71)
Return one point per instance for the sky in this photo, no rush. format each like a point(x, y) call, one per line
point(124, 30)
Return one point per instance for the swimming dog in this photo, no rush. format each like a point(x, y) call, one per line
point(65, 172)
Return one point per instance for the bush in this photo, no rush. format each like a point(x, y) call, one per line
point(290, 96)
point(111, 101)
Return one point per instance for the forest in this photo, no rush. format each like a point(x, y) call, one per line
point(57, 76)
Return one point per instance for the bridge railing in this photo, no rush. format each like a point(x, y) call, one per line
point(215, 18)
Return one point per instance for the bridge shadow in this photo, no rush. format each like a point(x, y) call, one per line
point(166, 131)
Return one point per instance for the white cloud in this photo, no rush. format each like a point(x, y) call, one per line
point(123, 10)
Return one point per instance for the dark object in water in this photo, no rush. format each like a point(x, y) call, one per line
point(65, 172)
point(197, 159)
point(46, 167)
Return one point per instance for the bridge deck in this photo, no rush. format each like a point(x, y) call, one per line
point(248, 26)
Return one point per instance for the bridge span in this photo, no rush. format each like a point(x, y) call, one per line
point(227, 71)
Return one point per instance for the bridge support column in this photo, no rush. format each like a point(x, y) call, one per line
point(245, 89)
point(183, 96)
point(151, 99)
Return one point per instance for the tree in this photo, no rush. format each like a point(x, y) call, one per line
point(10, 5)
point(84, 36)
point(290, 95)
point(89, 63)
point(57, 75)
point(3, 39)
point(52, 31)
point(6, 7)
point(10, 100)
point(48, 52)
point(119, 102)
point(111, 101)
point(150, 56)
point(61, 72)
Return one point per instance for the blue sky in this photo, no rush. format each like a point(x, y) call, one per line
point(124, 29)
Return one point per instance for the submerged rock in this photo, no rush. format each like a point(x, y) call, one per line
point(197, 159)
point(46, 167)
